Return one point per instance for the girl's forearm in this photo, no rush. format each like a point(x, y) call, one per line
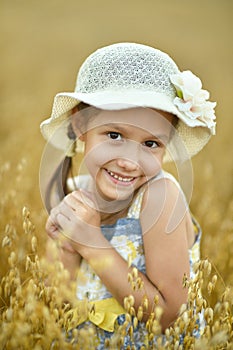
point(71, 262)
point(113, 270)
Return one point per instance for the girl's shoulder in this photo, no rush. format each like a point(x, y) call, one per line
point(164, 203)
point(167, 184)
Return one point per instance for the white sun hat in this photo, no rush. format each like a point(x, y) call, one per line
point(126, 75)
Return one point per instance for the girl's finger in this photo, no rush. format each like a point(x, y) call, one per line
point(65, 210)
point(53, 213)
point(78, 200)
point(72, 201)
point(66, 225)
point(51, 228)
point(85, 197)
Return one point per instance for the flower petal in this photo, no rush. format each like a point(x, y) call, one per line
point(191, 100)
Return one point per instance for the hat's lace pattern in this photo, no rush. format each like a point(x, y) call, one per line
point(127, 66)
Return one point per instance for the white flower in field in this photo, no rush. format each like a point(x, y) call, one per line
point(192, 101)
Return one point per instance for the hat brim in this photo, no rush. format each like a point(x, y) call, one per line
point(194, 133)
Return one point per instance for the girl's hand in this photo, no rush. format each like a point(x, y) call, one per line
point(77, 219)
point(54, 232)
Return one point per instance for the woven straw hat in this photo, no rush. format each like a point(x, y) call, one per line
point(123, 75)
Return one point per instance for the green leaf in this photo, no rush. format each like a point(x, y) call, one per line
point(179, 93)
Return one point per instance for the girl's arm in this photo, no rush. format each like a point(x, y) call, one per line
point(165, 226)
point(166, 254)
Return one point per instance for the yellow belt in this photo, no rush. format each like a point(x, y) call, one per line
point(103, 313)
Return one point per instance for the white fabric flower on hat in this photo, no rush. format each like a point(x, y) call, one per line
point(192, 101)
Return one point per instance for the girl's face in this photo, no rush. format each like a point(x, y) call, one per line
point(124, 149)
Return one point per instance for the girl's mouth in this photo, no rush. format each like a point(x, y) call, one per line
point(120, 178)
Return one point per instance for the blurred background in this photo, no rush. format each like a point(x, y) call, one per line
point(44, 42)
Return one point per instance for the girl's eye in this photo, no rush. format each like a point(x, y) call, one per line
point(151, 144)
point(114, 135)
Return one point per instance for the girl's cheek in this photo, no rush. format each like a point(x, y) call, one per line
point(103, 153)
point(98, 155)
point(151, 165)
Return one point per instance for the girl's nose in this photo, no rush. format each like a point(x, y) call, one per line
point(127, 164)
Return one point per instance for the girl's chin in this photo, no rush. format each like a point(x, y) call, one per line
point(115, 196)
point(110, 194)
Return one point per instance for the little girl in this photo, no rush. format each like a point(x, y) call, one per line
point(125, 224)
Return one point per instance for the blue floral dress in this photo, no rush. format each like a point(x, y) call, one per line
point(126, 237)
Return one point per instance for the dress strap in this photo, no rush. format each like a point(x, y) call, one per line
point(135, 208)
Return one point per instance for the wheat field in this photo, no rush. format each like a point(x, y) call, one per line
point(42, 45)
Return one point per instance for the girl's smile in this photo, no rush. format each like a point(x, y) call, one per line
point(120, 179)
point(121, 156)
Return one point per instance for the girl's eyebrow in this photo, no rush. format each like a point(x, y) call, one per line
point(117, 127)
point(114, 126)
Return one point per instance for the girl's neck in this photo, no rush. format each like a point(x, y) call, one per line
point(111, 218)
point(112, 211)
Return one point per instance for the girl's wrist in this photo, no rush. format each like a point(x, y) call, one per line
point(90, 240)
point(92, 250)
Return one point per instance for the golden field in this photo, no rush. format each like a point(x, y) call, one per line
point(42, 45)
